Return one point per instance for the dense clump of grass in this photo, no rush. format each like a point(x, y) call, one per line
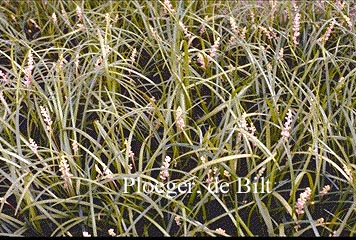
point(200, 92)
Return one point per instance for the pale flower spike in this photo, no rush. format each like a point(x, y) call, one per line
point(296, 26)
point(328, 32)
point(214, 48)
point(348, 172)
point(203, 160)
point(210, 178)
point(227, 174)
point(79, 13)
point(202, 28)
point(3, 77)
point(201, 60)
point(107, 18)
point(320, 220)
point(302, 200)
point(169, 6)
point(130, 168)
point(179, 118)
point(54, 18)
point(185, 30)
point(177, 220)
point(46, 117)
point(75, 147)
point(164, 174)
point(133, 55)
point(260, 173)
point(234, 27)
point(65, 172)
point(80, 26)
point(28, 70)
point(220, 231)
point(280, 53)
point(212, 54)
point(286, 130)
point(154, 33)
point(252, 16)
point(347, 20)
point(33, 145)
point(325, 190)
point(112, 232)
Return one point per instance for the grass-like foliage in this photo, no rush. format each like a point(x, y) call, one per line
point(248, 105)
